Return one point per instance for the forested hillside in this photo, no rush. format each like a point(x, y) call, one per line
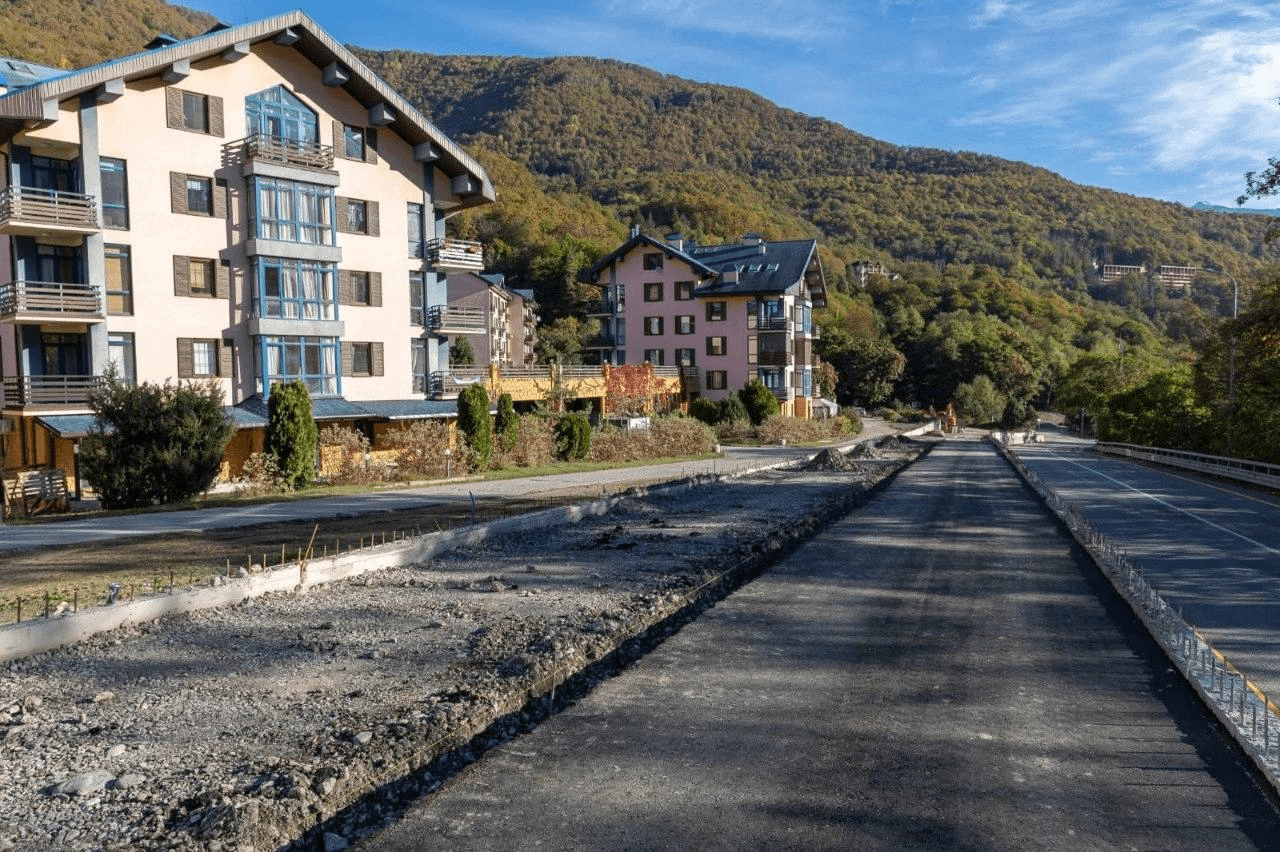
point(993, 297)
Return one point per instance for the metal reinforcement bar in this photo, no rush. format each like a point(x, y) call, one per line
point(1241, 705)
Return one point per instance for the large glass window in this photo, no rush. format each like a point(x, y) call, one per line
point(415, 229)
point(419, 365)
point(296, 289)
point(314, 360)
point(120, 356)
point(58, 264)
point(119, 280)
point(417, 299)
point(294, 211)
point(280, 114)
point(115, 193)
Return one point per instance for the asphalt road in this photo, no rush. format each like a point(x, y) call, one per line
point(940, 670)
point(1210, 548)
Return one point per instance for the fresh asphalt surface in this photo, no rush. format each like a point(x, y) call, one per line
point(1210, 548)
point(943, 669)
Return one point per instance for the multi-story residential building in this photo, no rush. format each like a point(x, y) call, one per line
point(249, 206)
point(503, 321)
point(723, 314)
point(1177, 277)
point(1116, 271)
point(523, 310)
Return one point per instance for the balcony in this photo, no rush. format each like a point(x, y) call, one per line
point(49, 302)
point(444, 319)
point(604, 308)
point(261, 147)
point(774, 358)
point(603, 341)
point(45, 212)
point(691, 377)
point(764, 323)
point(449, 383)
point(22, 391)
point(462, 255)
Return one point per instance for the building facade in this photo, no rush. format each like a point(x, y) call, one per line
point(500, 323)
point(250, 206)
point(723, 314)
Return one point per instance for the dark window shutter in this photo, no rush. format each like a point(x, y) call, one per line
point(219, 200)
point(173, 108)
point(375, 359)
point(375, 226)
point(186, 358)
point(226, 351)
point(346, 291)
point(221, 280)
point(348, 357)
point(340, 140)
point(178, 192)
point(371, 144)
point(375, 290)
point(215, 116)
point(343, 223)
point(181, 275)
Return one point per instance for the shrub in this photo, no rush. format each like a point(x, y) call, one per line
point(342, 459)
point(507, 424)
point(732, 411)
point(418, 449)
point(797, 431)
point(705, 410)
point(292, 438)
point(573, 436)
point(535, 443)
point(759, 401)
point(666, 436)
point(474, 423)
point(263, 475)
point(154, 443)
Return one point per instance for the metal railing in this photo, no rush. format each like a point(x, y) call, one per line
point(455, 254)
point(49, 390)
point(1244, 470)
point(775, 358)
point(31, 206)
point(278, 149)
point(77, 301)
point(445, 318)
point(603, 307)
point(452, 381)
point(764, 323)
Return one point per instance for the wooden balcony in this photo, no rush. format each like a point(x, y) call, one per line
point(44, 212)
point(445, 319)
point(277, 149)
point(462, 255)
point(41, 301)
point(39, 391)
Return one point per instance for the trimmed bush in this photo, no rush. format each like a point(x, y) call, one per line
point(153, 443)
point(732, 412)
point(292, 437)
point(474, 423)
point(573, 436)
point(759, 401)
point(705, 410)
point(506, 424)
point(535, 443)
point(666, 437)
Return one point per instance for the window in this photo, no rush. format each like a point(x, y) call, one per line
point(313, 360)
point(717, 379)
point(280, 114)
point(200, 276)
point(360, 288)
point(684, 324)
point(115, 193)
point(120, 356)
point(361, 359)
point(200, 195)
point(204, 357)
point(684, 291)
point(295, 289)
point(119, 280)
point(418, 364)
point(773, 380)
point(717, 345)
point(653, 260)
point(415, 229)
point(652, 326)
point(293, 211)
point(715, 311)
point(357, 216)
point(353, 142)
point(654, 357)
point(685, 358)
point(653, 292)
point(417, 299)
point(195, 112)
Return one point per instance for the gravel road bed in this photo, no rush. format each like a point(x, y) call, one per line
point(304, 719)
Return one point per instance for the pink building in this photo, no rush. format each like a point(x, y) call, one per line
point(724, 314)
point(501, 323)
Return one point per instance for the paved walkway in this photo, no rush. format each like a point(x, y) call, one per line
point(51, 534)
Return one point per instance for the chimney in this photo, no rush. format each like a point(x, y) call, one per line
point(752, 239)
point(635, 230)
point(676, 240)
point(729, 276)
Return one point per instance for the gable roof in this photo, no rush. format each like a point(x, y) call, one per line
point(591, 273)
point(761, 268)
point(36, 98)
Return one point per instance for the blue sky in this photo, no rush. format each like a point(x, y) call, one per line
point(1170, 100)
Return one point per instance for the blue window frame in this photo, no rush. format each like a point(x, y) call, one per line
point(296, 289)
point(293, 211)
point(314, 360)
point(279, 113)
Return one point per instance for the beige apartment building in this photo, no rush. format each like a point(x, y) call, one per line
point(249, 206)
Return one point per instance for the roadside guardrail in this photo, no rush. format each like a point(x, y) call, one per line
point(1258, 473)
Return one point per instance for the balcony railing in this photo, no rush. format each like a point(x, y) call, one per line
point(445, 319)
point(604, 341)
point(692, 379)
point(451, 382)
point(50, 301)
point(27, 210)
point(463, 255)
point(772, 358)
point(49, 390)
point(604, 308)
point(277, 149)
point(764, 323)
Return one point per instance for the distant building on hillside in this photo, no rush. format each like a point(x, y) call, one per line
point(1177, 277)
point(1116, 271)
point(861, 270)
